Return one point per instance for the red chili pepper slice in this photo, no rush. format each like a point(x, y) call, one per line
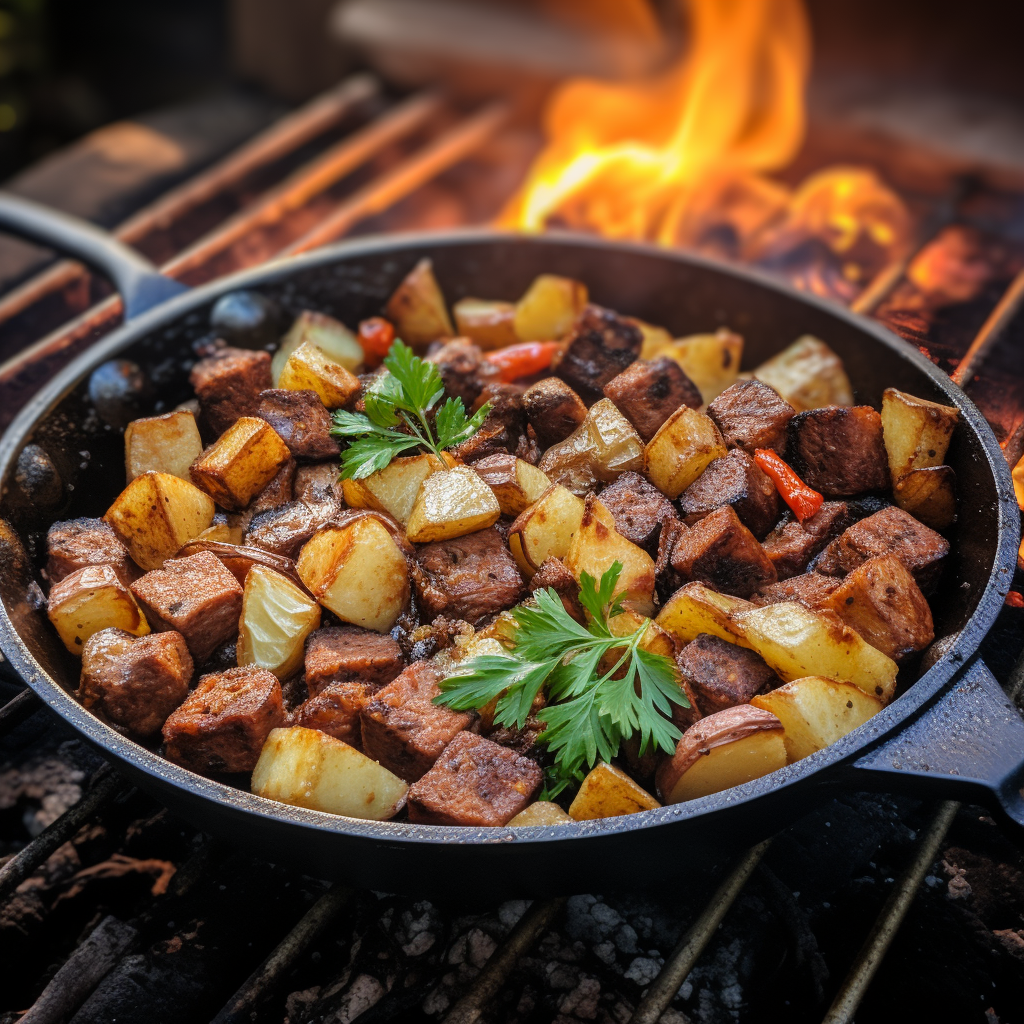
point(1014, 599)
point(803, 500)
point(523, 360)
point(376, 336)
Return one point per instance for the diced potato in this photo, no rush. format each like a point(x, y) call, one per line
point(515, 483)
point(417, 307)
point(331, 336)
point(720, 751)
point(797, 642)
point(816, 712)
point(711, 361)
point(548, 309)
point(358, 572)
point(241, 462)
point(89, 600)
point(655, 339)
point(657, 639)
point(309, 768)
point(681, 450)
point(596, 546)
point(808, 375)
point(607, 792)
point(276, 619)
point(223, 533)
point(490, 324)
point(929, 495)
point(916, 432)
point(541, 812)
point(1018, 481)
point(395, 488)
point(156, 514)
point(309, 368)
point(452, 503)
point(162, 444)
point(696, 608)
point(545, 529)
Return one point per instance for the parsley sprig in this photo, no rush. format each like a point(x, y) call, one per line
point(590, 711)
point(398, 407)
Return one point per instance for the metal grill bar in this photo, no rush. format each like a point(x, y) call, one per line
point(16, 710)
point(998, 320)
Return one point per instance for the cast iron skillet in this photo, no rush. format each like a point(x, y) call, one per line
point(952, 732)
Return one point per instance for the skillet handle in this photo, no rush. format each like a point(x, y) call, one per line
point(967, 744)
point(141, 285)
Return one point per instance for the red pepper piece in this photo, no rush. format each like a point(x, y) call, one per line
point(803, 500)
point(376, 336)
point(1014, 599)
point(523, 360)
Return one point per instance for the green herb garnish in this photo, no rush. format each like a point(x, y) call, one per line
point(589, 713)
point(397, 419)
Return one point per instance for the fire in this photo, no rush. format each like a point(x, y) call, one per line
point(683, 158)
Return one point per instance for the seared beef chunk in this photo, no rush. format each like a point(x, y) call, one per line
point(555, 575)
point(474, 782)
point(134, 682)
point(351, 654)
point(838, 450)
point(639, 509)
point(317, 483)
point(723, 675)
point(523, 741)
point(553, 409)
point(228, 385)
point(335, 711)
point(76, 543)
point(736, 480)
point(463, 369)
point(722, 552)
point(921, 550)
point(468, 577)
point(752, 415)
point(283, 530)
point(504, 429)
point(648, 393)
point(812, 590)
point(197, 596)
point(225, 721)
point(403, 729)
point(278, 492)
point(301, 419)
point(601, 345)
point(792, 544)
point(668, 580)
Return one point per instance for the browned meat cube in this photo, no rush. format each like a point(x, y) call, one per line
point(722, 675)
point(197, 596)
point(302, 421)
point(351, 654)
point(224, 722)
point(792, 545)
point(648, 393)
point(752, 415)
point(403, 729)
point(463, 369)
point(76, 543)
point(838, 450)
point(335, 711)
point(920, 549)
point(503, 430)
point(668, 580)
point(474, 782)
point(722, 552)
point(553, 409)
point(278, 492)
point(228, 385)
point(736, 480)
point(638, 508)
point(283, 530)
point(554, 575)
point(317, 483)
point(812, 590)
point(601, 345)
point(468, 577)
point(134, 682)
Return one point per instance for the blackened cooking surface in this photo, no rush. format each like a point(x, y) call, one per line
point(352, 282)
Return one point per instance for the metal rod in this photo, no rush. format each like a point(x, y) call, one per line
point(998, 320)
point(681, 960)
point(272, 970)
point(502, 961)
point(16, 710)
point(106, 785)
point(883, 285)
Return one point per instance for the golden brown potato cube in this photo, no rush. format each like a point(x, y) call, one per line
point(452, 503)
point(808, 375)
point(89, 600)
point(276, 619)
point(240, 463)
point(655, 339)
point(331, 336)
point(358, 572)
point(816, 712)
point(540, 812)
point(515, 483)
point(720, 751)
point(548, 308)
point(309, 368)
point(711, 361)
point(395, 488)
point(490, 324)
point(681, 450)
point(916, 432)
point(162, 444)
point(156, 514)
point(607, 792)
point(417, 307)
point(929, 495)
point(545, 529)
point(695, 608)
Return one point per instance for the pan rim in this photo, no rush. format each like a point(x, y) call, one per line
point(816, 767)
